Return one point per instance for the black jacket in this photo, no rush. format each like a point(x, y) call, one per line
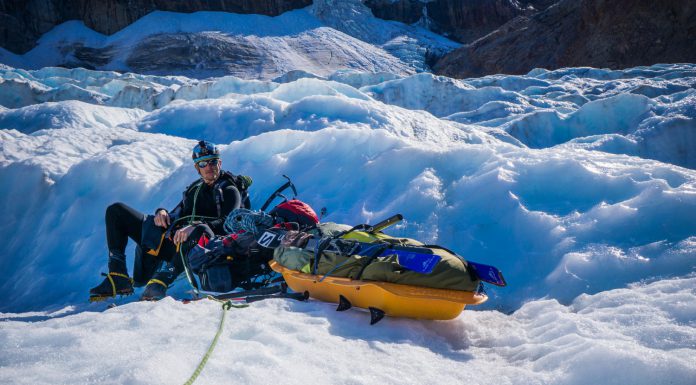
point(228, 193)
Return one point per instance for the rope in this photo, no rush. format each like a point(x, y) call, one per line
point(190, 219)
point(195, 198)
point(225, 306)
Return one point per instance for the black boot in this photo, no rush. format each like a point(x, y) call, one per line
point(117, 282)
point(156, 288)
point(154, 291)
point(114, 284)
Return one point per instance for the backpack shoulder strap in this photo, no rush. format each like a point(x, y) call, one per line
point(241, 182)
point(193, 185)
point(188, 190)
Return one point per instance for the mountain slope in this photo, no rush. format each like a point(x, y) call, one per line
point(595, 33)
point(319, 39)
point(25, 21)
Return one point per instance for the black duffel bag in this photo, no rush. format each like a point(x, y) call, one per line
point(224, 263)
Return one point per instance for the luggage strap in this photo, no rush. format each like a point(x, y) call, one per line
point(377, 250)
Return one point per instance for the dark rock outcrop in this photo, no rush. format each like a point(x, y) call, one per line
point(467, 21)
point(463, 21)
point(538, 5)
point(405, 11)
point(572, 33)
point(22, 22)
point(213, 53)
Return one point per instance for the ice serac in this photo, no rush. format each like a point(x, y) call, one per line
point(24, 22)
point(596, 33)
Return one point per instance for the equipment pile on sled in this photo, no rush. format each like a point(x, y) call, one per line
point(356, 266)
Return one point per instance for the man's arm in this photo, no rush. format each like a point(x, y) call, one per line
point(164, 218)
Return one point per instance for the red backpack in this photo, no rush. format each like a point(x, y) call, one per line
point(291, 210)
point(296, 211)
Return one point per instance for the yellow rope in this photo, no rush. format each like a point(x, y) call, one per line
point(225, 306)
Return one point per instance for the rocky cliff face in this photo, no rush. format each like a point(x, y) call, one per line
point(597, 33)
point(22, 22)
point(463, 21)
point(501, 36)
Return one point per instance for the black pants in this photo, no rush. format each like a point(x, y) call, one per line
point(124, 222)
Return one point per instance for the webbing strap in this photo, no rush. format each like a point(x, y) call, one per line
point(113, 285)
point(111, 280)
point(154, 280)
point(120, 275)
point(218, 199)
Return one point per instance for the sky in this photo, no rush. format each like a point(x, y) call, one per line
point(579, 184)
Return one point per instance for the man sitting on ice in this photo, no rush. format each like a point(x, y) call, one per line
point(207, 200)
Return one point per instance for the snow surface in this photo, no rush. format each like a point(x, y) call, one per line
point(579, 184)
point(647, 328)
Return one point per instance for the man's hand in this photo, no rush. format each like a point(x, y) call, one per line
point(182, 234)
point(162, 219)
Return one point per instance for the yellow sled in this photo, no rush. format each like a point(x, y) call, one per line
point(382, 298)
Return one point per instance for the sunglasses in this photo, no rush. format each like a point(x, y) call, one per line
point(205, 163)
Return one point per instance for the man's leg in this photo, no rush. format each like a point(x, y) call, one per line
point(156, 288)
point(122, 222)
point(144, 267)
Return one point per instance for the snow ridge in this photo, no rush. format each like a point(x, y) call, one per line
point(559, 206)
